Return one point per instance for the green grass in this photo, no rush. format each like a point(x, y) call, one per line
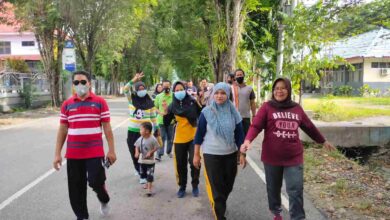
point(347, 108)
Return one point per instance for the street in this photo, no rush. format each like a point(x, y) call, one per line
point(31, 189)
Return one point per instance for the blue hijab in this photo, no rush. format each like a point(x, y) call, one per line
point(222, 118)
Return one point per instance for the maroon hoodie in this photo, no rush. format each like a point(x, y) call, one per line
point(281, 144)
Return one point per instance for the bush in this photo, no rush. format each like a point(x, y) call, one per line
point(343, 91)
point(18, 65)
point(367, 91)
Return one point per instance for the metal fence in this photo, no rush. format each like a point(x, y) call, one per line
point(15, 83)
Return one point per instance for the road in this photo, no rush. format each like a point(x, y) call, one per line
point(31, 189)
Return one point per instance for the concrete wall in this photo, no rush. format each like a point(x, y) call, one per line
point(14, 100)
point(353, 136)
point(16, 43)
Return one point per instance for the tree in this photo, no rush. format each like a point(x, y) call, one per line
point(43, 17)
point(260, 39)
point(223, 24)
point(363, 18)
point(308, 32)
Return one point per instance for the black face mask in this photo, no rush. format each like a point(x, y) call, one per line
point(240, 79)
point(230, 82)
point(167, 90)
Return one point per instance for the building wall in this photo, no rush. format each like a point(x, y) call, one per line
point(16, 44)
point(373, 74)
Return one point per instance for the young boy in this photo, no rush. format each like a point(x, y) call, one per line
point(145, 147)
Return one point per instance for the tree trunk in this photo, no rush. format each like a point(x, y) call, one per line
point(225, 66)
point(224, 62)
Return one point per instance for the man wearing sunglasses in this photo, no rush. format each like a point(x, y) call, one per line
point(82, 118)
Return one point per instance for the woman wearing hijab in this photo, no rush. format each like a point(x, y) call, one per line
point(185, 110)
point(157, 90)
point(141, 109)
point(282, 150)
point(220, 133)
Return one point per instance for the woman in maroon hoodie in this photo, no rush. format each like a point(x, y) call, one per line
point(282, 150)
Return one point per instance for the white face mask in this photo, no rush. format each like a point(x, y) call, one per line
point(81, 90)
point(141, 93)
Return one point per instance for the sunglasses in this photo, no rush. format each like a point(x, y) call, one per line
point(76, 82)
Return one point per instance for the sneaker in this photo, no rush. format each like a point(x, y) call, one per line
point(104, 209)
point(142, 181)
point(136, 173)
point(195, 191)
point(158, 159)
point(278, 217)
point(181, 193)
point(170, 155)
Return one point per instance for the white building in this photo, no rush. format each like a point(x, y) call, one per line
point(369, 53)
point(18, 45)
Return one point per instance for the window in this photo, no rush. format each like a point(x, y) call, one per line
point(380, 65)
point(28, 43)
point(5, 47)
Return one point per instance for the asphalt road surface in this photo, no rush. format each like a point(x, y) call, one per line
point(31, 189)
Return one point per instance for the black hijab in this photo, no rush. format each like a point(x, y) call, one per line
point(155, 89)
point(143, 103)
point(187, 107)
point(287, 103)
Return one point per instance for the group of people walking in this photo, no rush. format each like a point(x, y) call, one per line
point(213, 123)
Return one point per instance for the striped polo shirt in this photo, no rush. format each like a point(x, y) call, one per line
point(84, 120)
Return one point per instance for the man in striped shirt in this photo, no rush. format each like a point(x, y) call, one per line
point(82, 117)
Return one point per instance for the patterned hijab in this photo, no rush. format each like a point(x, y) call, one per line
point(222, 118)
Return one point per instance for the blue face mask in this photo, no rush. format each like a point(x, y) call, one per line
point(141, 93)
point(180, 95)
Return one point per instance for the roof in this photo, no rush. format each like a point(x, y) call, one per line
point(21, 57)
point(375, 43)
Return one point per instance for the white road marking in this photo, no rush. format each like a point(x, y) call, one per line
point(39, 179)
point(261, 174)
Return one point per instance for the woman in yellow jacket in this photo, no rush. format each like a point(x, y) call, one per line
point(185, 110)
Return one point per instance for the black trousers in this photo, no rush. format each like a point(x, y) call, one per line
point(79, 172)
point(220, 173)
point(132, 137)
point(184, 154)
point(246, 123)
point(293, 176)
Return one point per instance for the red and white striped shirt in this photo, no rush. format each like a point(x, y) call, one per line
point(84, 120)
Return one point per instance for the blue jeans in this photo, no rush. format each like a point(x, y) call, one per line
point(293, 175)
point(167, 138)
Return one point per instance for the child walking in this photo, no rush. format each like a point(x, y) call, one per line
point(145, 147)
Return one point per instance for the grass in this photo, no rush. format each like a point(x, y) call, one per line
point(347, 108)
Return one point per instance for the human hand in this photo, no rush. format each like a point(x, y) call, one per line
point(243, 161)
point(149, 154)
point(136, 155)
point(328, 146)
point(245, 146)
point(138, 77)
point(57, 162)
point(196, 161)
point(111, 156)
